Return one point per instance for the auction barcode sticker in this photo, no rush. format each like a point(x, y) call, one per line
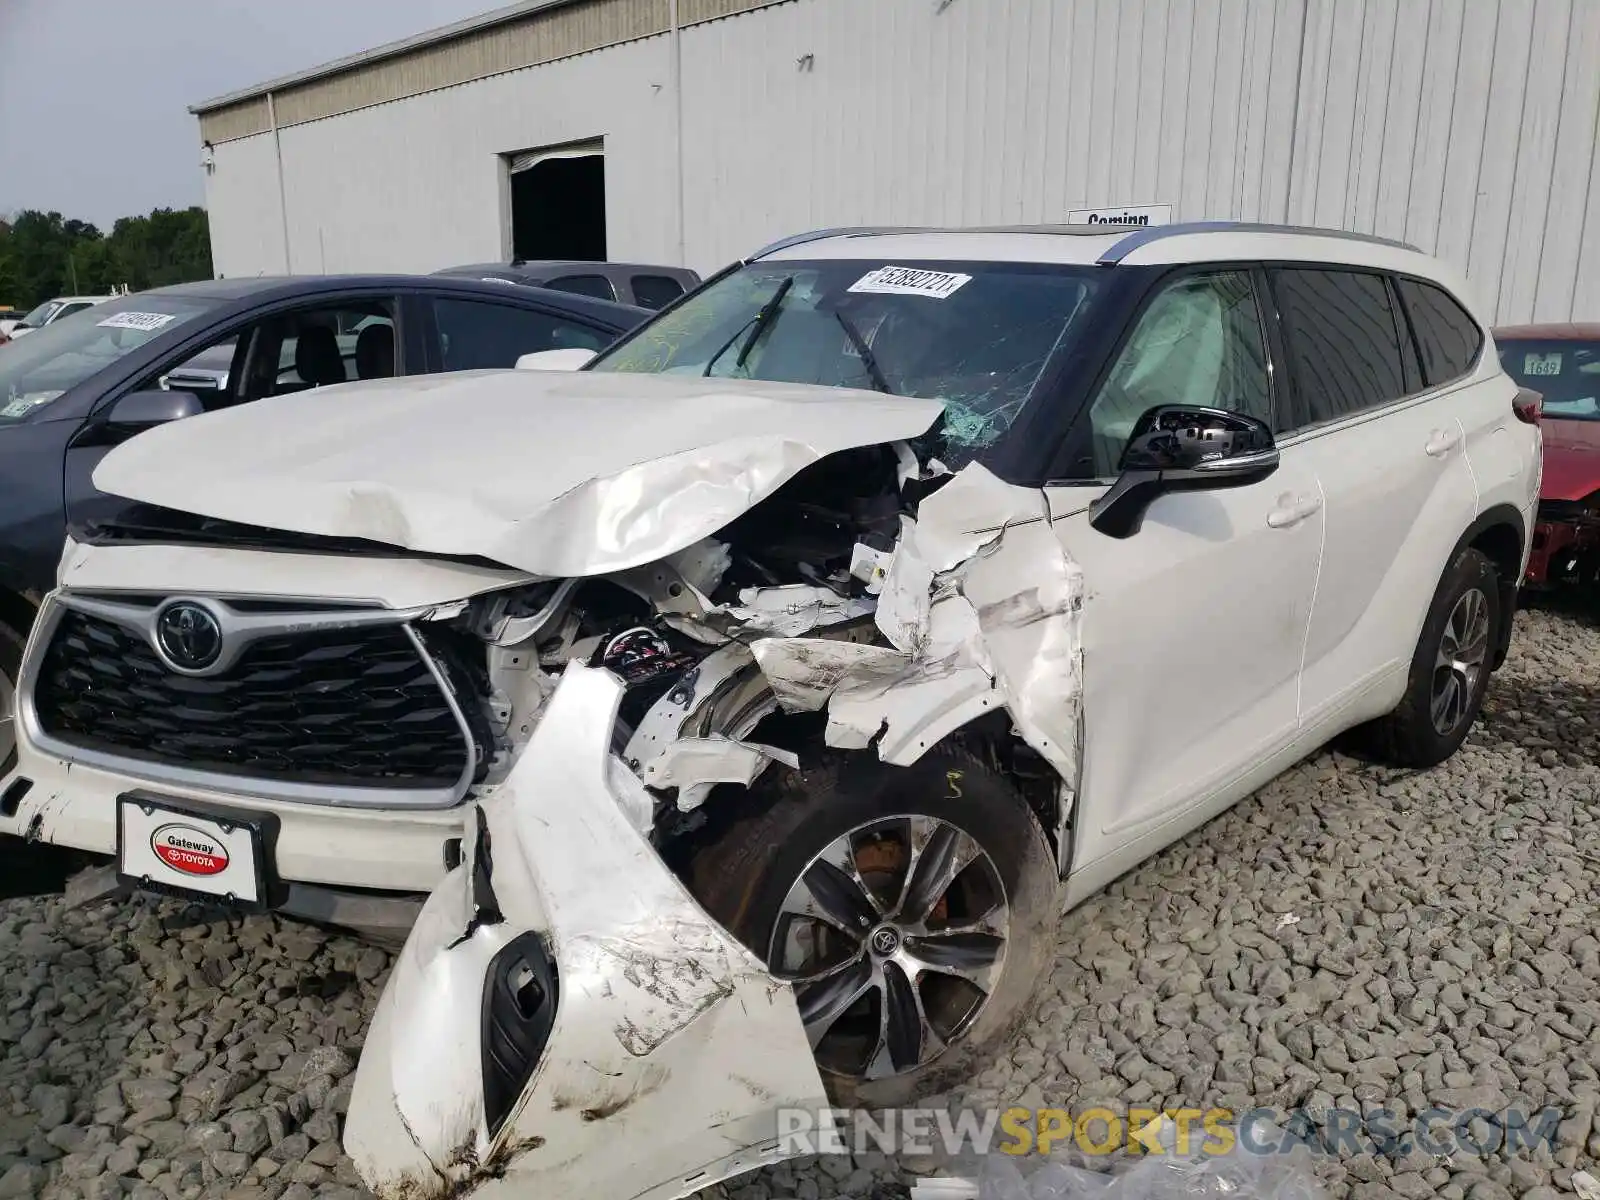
point(144, 322)
point(908, 281)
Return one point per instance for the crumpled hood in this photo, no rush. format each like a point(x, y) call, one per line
point(554, 473)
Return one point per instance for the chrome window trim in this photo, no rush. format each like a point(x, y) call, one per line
point(245, 787)
point(1307, 433)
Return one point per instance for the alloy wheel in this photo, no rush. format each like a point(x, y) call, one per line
point(894, 937)
point(1459, 664)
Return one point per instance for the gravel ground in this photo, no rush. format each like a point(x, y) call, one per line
point(1348, 937)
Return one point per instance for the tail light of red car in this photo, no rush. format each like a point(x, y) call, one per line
point(1529, 406)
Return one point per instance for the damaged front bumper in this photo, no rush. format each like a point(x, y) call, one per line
point(565, 1019)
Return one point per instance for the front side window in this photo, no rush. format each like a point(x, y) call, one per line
point(974, 335)
point(597, 286)
point(205, 373)
point(323, 347)
point(1565, 372)
point(38, 368)
point(1343, 341)
point(1447, 337)
point(478, 334)
point(1198, 342)
point(67, 310)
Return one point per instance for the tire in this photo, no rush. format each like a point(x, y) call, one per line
point(11, 645)
point(959, 803)
point(1410, 736)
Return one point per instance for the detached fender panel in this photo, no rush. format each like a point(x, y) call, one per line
point(671, 1050)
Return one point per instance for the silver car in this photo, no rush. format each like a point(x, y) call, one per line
point(630, 283)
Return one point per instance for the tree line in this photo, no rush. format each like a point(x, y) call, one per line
point(43, 254)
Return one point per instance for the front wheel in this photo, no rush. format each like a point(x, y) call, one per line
point(911, 908)
point(1450, 670)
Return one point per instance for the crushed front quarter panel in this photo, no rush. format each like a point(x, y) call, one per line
point(672, 1049)
point(981, 606)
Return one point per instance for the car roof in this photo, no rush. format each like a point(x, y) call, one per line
point(265, 288)
point(543, 265)
point(1102, 245)
point(1565, 332)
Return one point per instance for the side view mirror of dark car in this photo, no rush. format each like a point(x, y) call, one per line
point(143, 410)
point(1178, 447)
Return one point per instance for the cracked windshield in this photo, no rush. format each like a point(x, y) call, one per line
point(974, 335)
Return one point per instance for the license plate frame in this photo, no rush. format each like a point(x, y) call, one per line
point(255, 834)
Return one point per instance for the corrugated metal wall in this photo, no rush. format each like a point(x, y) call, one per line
point(1466, 126)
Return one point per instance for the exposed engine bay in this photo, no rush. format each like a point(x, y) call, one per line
point(819, 597)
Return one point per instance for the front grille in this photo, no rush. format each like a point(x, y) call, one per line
point(342, 707)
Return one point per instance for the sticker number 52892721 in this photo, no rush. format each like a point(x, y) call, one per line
point(909, 281)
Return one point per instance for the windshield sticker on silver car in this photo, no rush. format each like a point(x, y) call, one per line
point(908, 281)
point(142, 321)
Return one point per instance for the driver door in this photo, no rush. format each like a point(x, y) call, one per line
point(1194, 625)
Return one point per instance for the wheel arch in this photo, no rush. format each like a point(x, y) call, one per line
point(978, 723)
point(1500, 534)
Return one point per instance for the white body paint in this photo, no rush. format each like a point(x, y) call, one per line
point(1162, 677)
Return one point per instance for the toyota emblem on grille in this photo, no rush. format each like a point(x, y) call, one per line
point(188, 636)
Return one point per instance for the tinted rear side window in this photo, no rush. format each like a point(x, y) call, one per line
point(655, 291)
point(584, 285)
point(1343, 341)
point(1448, 338)
point(476, 334)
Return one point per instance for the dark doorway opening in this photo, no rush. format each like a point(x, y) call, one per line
point(558, 209)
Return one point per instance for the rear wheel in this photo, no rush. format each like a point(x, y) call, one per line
point(911, 908)
point(1450, 670)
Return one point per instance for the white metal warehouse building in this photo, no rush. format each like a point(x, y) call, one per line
point(702, 129)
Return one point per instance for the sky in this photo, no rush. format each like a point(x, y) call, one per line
point(94, 94)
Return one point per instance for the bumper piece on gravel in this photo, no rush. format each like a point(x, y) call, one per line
point(656, 1050)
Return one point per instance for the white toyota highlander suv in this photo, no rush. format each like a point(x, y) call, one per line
point(755, 699)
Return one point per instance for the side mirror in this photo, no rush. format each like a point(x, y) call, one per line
point(144, 410)
point(1180, 447)
point(568, 359)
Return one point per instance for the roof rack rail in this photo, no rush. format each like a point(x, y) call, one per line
point(1155, 233)
point(816, 235)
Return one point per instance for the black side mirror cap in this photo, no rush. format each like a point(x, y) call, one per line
point(144, 410)
point(1175, 447)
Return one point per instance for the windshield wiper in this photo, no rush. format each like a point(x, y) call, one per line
point(757, 325)
point(863, 352)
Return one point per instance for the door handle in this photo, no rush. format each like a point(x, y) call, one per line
point(1291, 510)
point(1442, 442)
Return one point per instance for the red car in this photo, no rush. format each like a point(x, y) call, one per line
point(1562, 363)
